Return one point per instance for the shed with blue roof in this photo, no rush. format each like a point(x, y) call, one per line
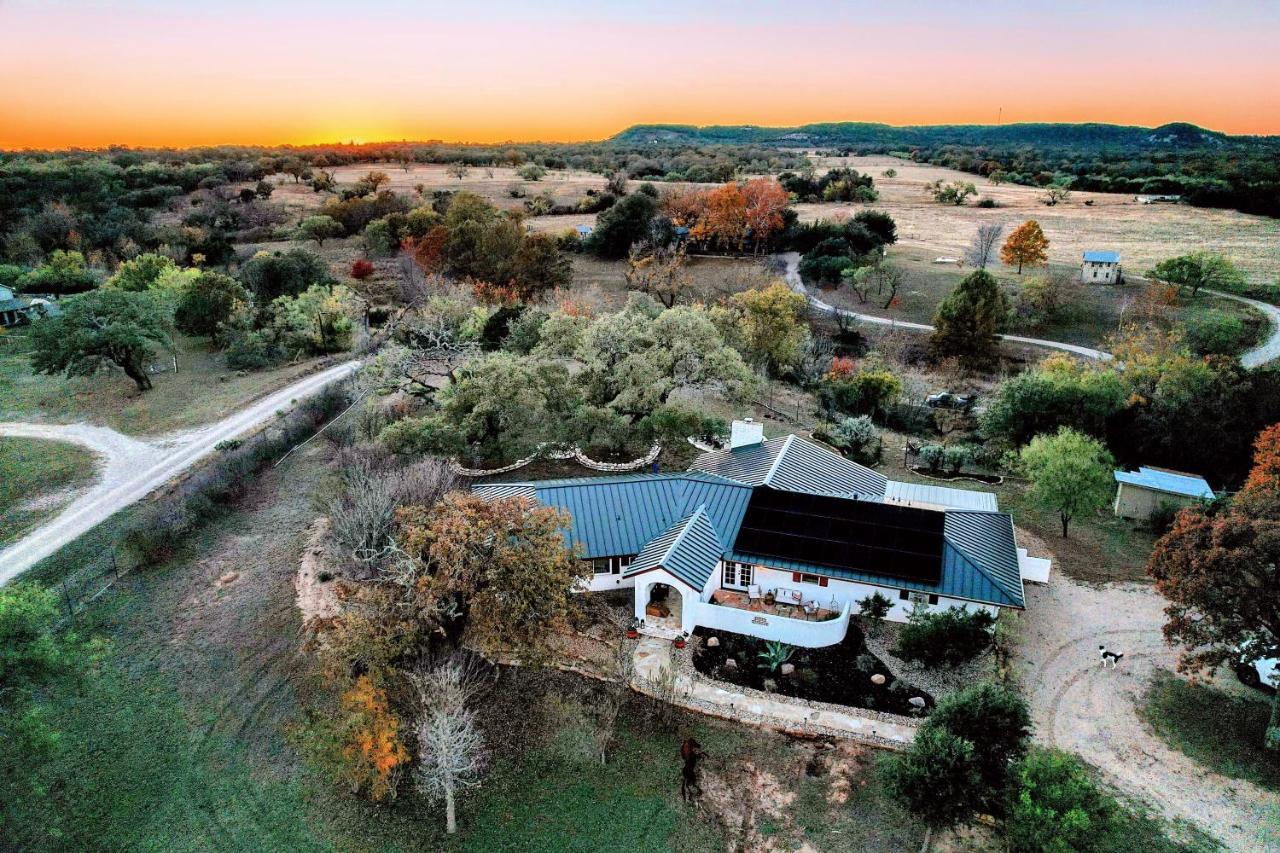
point(1140, 493)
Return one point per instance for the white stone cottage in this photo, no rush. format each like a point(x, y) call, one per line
point(1101, 268)
point(782, 538)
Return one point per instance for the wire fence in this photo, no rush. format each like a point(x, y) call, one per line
point(80, 588)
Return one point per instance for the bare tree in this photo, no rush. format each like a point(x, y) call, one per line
point(658, 271)
point(458, 170)
point(617, 183)
point(451, 751)
point(982, 249)
point(621, 672)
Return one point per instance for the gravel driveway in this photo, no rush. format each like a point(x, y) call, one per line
point(134, 467)
point(1082, 708)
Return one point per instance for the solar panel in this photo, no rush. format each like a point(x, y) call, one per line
point(860, 536)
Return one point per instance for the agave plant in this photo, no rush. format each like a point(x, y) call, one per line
point(775, 654)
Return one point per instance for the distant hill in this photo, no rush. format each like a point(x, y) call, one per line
point(1041, 135)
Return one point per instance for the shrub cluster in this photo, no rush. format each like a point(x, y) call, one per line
point(951, 636)
point(160, 525)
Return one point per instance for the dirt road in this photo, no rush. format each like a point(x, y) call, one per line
point(1080, 707)
point(133, 468)
point(1267, 350)
point(791, 260)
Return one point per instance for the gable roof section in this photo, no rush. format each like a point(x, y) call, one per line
point(689, 550)
point(985, 541)
point(1102, 257)
point(1170, 482)
point(794, 465)
point(620, 515)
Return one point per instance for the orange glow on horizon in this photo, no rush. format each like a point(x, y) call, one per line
point(80, 75)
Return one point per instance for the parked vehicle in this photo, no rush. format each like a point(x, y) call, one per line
point(1260, 673)
point(947, 400)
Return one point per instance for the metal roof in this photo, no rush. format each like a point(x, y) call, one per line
point(986, 541)
point(686, 521)
point(942, 496)
point(616, 516)
point(1169, 482)
point(794, 465)
point(689, 550)
point(1102, 257)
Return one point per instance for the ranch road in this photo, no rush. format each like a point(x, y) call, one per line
point(1079, 707)
point(1266, 351)
point(133, 467)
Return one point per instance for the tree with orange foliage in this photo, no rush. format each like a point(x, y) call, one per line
point(1219, 566)
point(428, 251)
point(725, 220)
point(496, 573)
point(362, 746)
point(1027, 246)
point(1260, 494)
point(766, 203)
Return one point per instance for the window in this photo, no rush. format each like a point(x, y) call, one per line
point(610, 565)
point(737, 575)
point(807, 577)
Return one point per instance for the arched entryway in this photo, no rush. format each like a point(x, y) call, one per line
point(661, 603)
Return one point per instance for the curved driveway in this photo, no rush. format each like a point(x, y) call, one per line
point(1268, 350)
point(135, 467)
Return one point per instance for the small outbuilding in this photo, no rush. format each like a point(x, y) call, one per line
point(1140, 493)
point(1101, 268)
point(13, 310)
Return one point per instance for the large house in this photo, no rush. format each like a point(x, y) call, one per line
point(782, 538)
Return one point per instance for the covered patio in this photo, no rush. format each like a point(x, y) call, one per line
point(789, 609)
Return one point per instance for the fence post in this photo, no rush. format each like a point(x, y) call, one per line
point(66, 597)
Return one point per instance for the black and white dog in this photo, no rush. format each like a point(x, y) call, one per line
point(1109, 657)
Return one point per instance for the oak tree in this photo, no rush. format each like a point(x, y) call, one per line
point(103, 327)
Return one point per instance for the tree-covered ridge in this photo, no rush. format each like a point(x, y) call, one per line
point(1052, 134)
point(1206, 168)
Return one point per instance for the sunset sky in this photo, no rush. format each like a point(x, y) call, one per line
point(181, 72)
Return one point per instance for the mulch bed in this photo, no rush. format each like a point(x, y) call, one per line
point(839, 674)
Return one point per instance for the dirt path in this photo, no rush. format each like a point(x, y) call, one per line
point(136, 467)
point(1082, 708)
point(792, 273)
point(1268, 349)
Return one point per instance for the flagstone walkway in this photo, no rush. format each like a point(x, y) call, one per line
point(654, 665)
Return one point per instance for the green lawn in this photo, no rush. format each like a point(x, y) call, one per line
point(203, 390)
point(1220, 731)
point(32, 471)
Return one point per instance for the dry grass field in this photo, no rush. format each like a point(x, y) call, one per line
point(1143, 234)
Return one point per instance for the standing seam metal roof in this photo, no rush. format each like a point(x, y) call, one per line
point(793, 465)
point(689, 550)
point(1102, 257)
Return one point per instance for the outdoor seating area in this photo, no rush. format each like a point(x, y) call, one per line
point(776, 602)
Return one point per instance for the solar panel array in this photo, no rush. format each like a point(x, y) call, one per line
point(862, 536)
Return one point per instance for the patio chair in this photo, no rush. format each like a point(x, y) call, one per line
point(810, 608)
point(754, 592)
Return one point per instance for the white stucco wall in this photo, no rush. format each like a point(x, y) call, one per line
point(796, 632)
point(850, 592)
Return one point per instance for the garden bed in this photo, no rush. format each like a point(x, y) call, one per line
point(989, 479)
point(840, 674)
